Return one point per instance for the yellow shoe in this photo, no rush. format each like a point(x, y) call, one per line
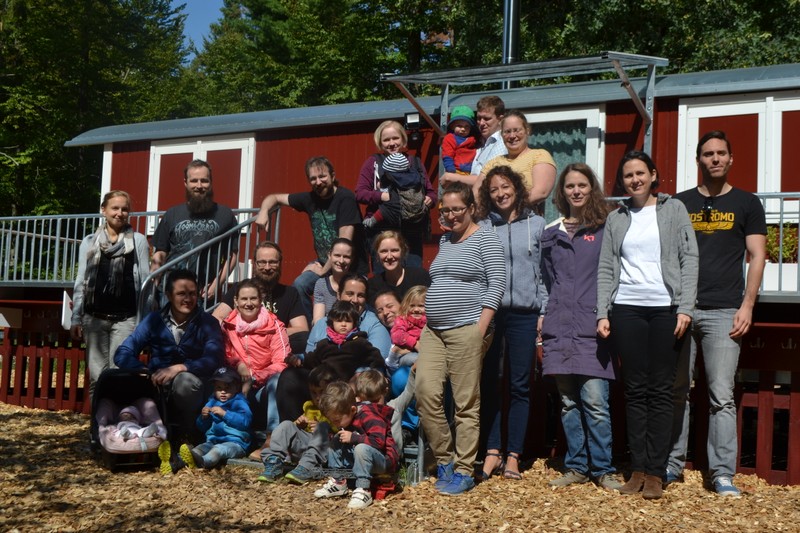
point(165, 453)
point(186, 454)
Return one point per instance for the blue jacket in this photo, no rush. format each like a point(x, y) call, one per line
point(201, 348)
point(233, 427)
point(569, 330)
point(521, 240)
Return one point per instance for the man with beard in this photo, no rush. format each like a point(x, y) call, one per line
point(332, 212)
point(281, 299)
point(187, 226)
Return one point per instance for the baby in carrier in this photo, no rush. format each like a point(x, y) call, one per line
point(129, 425)
point(404, 183)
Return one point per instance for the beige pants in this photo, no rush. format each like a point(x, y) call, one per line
point(454, 354)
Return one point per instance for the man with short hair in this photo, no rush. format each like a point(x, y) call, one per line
point(490, 112)
point(186, 347)
point(282, 300)
point(332, 212)
point(727, 222)
point(186, 226)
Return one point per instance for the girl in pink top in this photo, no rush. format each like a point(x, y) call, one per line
point(256, 345)
point(407, 328)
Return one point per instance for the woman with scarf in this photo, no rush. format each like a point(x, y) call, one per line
point(256, 345)
point(112, 265)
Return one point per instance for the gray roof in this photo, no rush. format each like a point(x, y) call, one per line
point(772, 78)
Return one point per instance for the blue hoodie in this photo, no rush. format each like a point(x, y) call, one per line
point(233, 427)
point(522, 252)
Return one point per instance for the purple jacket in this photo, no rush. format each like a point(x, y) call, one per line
point(569, 330)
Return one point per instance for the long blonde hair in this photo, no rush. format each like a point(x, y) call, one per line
point(413, 294)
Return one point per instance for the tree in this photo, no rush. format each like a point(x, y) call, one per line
point(66, 67)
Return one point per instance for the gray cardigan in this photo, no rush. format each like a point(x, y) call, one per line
point(679, 256)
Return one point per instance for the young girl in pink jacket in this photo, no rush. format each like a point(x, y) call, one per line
point(407, 328)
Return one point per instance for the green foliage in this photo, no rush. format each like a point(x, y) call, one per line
point(66, 67)
point(782, 250)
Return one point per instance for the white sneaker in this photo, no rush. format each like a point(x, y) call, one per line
point(361, 499)
point(332, 488)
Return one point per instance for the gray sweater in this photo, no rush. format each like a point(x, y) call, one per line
point(679, 257)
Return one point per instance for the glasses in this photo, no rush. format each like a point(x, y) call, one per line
point(708, 205)
point(271, 262)
point(455, 211)
point(514, 131)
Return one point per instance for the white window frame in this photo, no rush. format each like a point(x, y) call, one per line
point(595, 118)
point(199, 149)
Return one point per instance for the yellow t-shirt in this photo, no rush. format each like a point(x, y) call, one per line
point(522, 164)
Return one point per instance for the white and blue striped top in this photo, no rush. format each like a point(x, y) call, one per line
point(467, 276)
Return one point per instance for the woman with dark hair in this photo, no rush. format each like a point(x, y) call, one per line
point(646, 289)
point(112, 265)
point(536, 166)
point(505, 210)
point(574, 355)
point(469, 277)
point(391, 250)
point(327, 287)
point(375, 189)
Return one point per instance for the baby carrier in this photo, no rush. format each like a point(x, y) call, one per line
point(115, 390)
point(406, 187)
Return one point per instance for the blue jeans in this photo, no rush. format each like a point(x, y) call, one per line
point(270, 401)
point(710, 329)
point(399, 380)
point(304, 284)
point(362, 458)
point(213, 454)
point(514, 335)
point(586, 422)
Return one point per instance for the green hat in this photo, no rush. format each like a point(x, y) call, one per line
point(462, 112)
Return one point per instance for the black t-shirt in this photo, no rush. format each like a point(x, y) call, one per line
point(327, 216)
point(179, 231)
point(283, 301)
point(104, 301)
point(411, 277)
point(721, 242)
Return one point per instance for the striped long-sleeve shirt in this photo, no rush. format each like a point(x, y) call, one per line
point(467, 276)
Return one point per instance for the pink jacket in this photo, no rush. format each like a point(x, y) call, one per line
point(406, 331)
point(262, 345)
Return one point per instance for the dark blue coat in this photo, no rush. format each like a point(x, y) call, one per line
point(569, 331)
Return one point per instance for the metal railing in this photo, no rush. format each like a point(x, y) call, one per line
point(42, 251)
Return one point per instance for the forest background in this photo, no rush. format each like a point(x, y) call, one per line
point(68, 66)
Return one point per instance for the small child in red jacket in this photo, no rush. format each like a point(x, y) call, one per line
point(365, 441)
point(460, 145)
point(407, 328)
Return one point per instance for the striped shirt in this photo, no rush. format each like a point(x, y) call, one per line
point(467, 276)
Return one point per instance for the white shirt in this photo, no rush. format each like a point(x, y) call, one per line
point(493, 147)
point(640, 279)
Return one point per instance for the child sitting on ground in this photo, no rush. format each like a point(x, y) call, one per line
point(300, 440)
point(226, 421)
point(407, 328)
point(129, 425)
point(365, 441)
point(460, 145)
point(346, 348)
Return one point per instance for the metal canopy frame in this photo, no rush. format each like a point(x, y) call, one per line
point(555, 68)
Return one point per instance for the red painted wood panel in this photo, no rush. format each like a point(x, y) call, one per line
point(130, 165)
point(171, 189)
point(226, 169)
point(790, 177)
point(742, 132)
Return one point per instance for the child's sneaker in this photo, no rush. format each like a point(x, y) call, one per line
point(190, 457)
point(332, 488)
point(165, 454)
point(273, 469)
point(300, 475)
point(361, 499)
